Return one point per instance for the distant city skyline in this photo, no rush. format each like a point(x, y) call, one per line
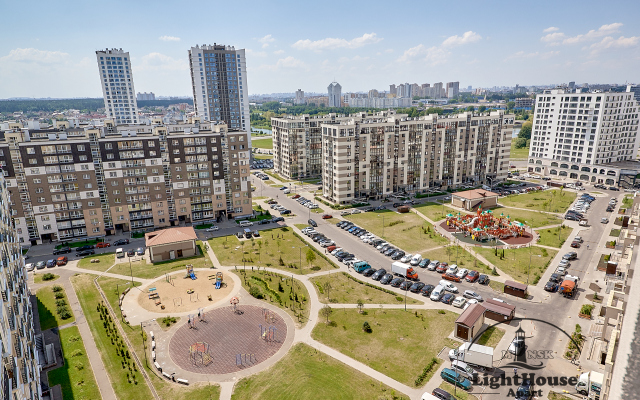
point(481, 46)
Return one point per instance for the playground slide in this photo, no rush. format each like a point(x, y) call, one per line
point(218, 285)
point(193, 276)
point(472, 221)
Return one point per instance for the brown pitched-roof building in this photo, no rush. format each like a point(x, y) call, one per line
point(499, 310)
point(470, 200)
point(470, 322)
point(168, 244)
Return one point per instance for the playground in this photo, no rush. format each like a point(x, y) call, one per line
point(227, 339)
point(486, 228)
point(180, 292)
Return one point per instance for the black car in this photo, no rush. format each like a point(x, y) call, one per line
point(426, 290)
point(555, 278)
point(484, 279)
point(368, 272)
point(368, 209)
point(140, 251)
point(397, 255)
point(343, 256)
point(312, 223)
point(85, 247)
point(614, 188)
point(448, 298)
point(376, 242)
point(384, 248)
point(416, 287)
point(379, 208)
point(525, 391)
point(378, 274)
point(386, 279)
point(390, 251)
point(610, 209)
point(396, 205)
point(341, 224)
point(121, 242)
point(264, 222)
point(397, 282)
point(551, 286)
point(572, 217)
point(572, 255)
point(85, 253)
point(62, 250)
point(285, 212)
point(131, 252)
point(277, 219)
point(406, 285)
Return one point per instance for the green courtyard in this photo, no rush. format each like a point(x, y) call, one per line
point(515, 262)
point(554, 200)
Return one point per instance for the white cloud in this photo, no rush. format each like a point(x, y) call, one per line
point(278, 52)
point(266, 41)
point(551, 29)
point(35, 56)
point(466, 38)
point(334, 43)
point(611, 43)
point(166, 38)
point(555, 38)
point(429, 55)
point(160, 62)
point(254, 53)
point(284, 63)
point(537, 55)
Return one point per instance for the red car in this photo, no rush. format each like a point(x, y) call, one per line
point(327, 216)
point(102, 245)
point(472, 276)
point(295, 196)
point(451, 277)
point(442, 267)
point(575, 245)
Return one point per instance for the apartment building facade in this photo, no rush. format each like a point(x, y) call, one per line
point(20, 376)
point(116, 78)
point(93, 181)
point(586, 136)
point(377, 156)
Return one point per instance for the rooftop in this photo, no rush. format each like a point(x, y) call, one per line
point(470, 315)
point(171, 235)
point(475, 194)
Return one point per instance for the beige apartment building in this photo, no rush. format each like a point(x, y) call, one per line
point(90, 181)
point(378, 155)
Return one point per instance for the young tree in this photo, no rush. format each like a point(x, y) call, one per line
point(311, 256)
point(360, 305)
point(326, 312)
point(327, 287)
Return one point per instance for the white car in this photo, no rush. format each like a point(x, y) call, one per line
point(448, 286)
point(462, 273)
point(345, 212)
point(333, 253)
point(459, 302)
point(452, 270)
point(381, 245)
point(355, 211)
point(433, 265)
point(30, 266)
point(212, 229)
point(406, 258)
point(415, 260)
point(469, 303)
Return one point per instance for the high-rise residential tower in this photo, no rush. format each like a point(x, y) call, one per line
point(114, 66)
point(219, 81)
point(335, 94)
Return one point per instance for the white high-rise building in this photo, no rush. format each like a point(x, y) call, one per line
point(219, 81)
point(335, 94)
point(299, 97)
point(114, 66)
point(587, 136)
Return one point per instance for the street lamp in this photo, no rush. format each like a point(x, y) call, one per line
point(300, 260)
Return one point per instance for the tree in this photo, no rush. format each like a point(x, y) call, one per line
point(471, 108)
point(311, 256)
point(525, 131)
point(520, 142)
point(482, 109)
point(360, 305)
point(510, 105)
point(326, 312)
point(327, 287)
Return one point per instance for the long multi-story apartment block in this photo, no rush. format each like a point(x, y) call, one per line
point(586, 136)
point(87, 181)
point(20, 375)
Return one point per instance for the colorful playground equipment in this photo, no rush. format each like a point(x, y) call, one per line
point(190, 273)
point(234, 302)
point(199, 354)
point(218, 280)
point(268, 333)
point(486, 226)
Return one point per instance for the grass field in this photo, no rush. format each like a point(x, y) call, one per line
point(49, 318)
point(112, 288)
point(491, 337)
point(345, 290)
point(39, 278)
point(262, 143)
point(276, 176)
point(516, 261)
point(557, 396)
point(497, 286)
point(75, 376)
point(615, 232)
point(277, 289)
point(307, 374)
point(457, 394)
point(553, 200)
point(533, 219)
point(627, 201)
point(400, 345)
point(268, 251)
point(518, 154)
point(106, 260)
point(433, 211)
point(262, 156)
point(457, 255)
point(405, 231)
point(554, 237)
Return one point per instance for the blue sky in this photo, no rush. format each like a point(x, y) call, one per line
point(47, 49)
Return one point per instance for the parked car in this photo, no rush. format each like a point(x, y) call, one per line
point(449, 287)
point(102, 245)
point(451, 277)
point(551, 286)
point(212, 229)
point(442, 267)
point(470, 294)
point(405, 285)
point(416, 287)
point(62, 250)
point(397, 282)
point(516, 347)
point(459, 302)
point(448, 298)
point(85, 247)
point(62, 260)
point(424, 263)
point(41, 265)
point(406, 258)
point(51, 263)
point(525, 391)
point(378, 274)
point(368, 272)
point(121, 242)
point(453, 269)
point(472, 276)
point(131, 252)
point(140, 251)
point(455, 378)
point(386, 279)
point(575, 244)
point(327, 216)
point(312, 223)
point(30, 266)
point(462, 273)
point(484, 279)
point(433, 265)
point(426, 290)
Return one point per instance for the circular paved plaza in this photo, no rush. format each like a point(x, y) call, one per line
point(228, 334)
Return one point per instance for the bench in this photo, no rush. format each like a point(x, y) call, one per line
point(151, 334)
point(153, 355)
point(153, 345)
point(158, 367)
point(158, 302)
point(183, 381)
point(212, 277)
point(152, 289)
point(166, 375)
point(154, 296)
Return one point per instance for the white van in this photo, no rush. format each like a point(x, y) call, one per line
point(287, 191)
point(428, 396)
point(246, 223)
point(120, 253)
point(437, 293)
point(415, 260)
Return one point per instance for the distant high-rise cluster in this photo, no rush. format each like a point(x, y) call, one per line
point(114, 66)
point(437, 91)
point(146, 96)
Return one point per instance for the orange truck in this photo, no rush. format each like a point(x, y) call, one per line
point(568, 286)
point(404, 270)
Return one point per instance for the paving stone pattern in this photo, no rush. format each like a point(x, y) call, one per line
point(228, 334)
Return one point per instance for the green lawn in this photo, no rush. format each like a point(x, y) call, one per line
point(262, 156)
point(275, 176)
point(457, 394)
point(39, 277)
point(550, 237)
point(615, 232)
point(262, 143)
point(558, 396)
point(497, 286)
point(491, 336)
point(268, 250)
point(112, 287)
point(433, 211)
point(75, 376)
point(47, 307)
point(516, 261)
point(277, 289)
point(344, 289)
point(400, 345)
point(106, 260)
point(78, 243)
point(307, 374)
point(457, 255)
point(518, 154)
point(533, 219)
point(405, 231)
point(553, 200)
point(627, 201)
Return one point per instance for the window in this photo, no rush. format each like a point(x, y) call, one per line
point(91, 203)
point(33, 161)
point(160, 212)
point(92, 212)
point(87, 186)
point(37, 180)
point(83, 158)
point(118, 209)
point(41, 200)
point(46, 227)
point(114, 183)
point(108, 146)
point(111, 165)
point(44, 218)
point(183, 209)
point(109, 156)
point(31, 150)
point(39, 190)
point(80, 147)
point(85, 176)
point(84, 167)
point(113, 175)
point(116, 192)
point(159, 204)
point(90, 194)
point(161, 220)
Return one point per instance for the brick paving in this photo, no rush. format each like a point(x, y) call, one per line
point(228, 334)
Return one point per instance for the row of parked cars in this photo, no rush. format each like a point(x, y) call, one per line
point(282, 209)
point(576, 213)
point(305, 202)
point(562, 269)
point(262, 164)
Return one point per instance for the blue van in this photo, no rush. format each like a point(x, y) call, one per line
point(361, 266)
point(455, 378)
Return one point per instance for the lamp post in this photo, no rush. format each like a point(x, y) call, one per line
point(300, 259)
point(131, 271)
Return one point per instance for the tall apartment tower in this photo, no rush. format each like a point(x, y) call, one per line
point(114, 66)
point(300, 97)
point(219, 81)
point(20, 376)
point(392, 90)
point(453, 89)
point(335, 94)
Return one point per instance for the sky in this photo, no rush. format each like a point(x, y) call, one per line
point(47, 49)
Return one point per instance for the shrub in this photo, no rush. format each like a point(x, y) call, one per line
point(61, 302)
point(255, 292)
point(398, 298)
point(441, 312)
point(169, 320)
point(65, 313)
point(425, 371)
point(79, 366)
point(76, 353)
point(587, 309)
point(48, 277)
point(57, 288)
point(366, 327)
point(59, 295)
